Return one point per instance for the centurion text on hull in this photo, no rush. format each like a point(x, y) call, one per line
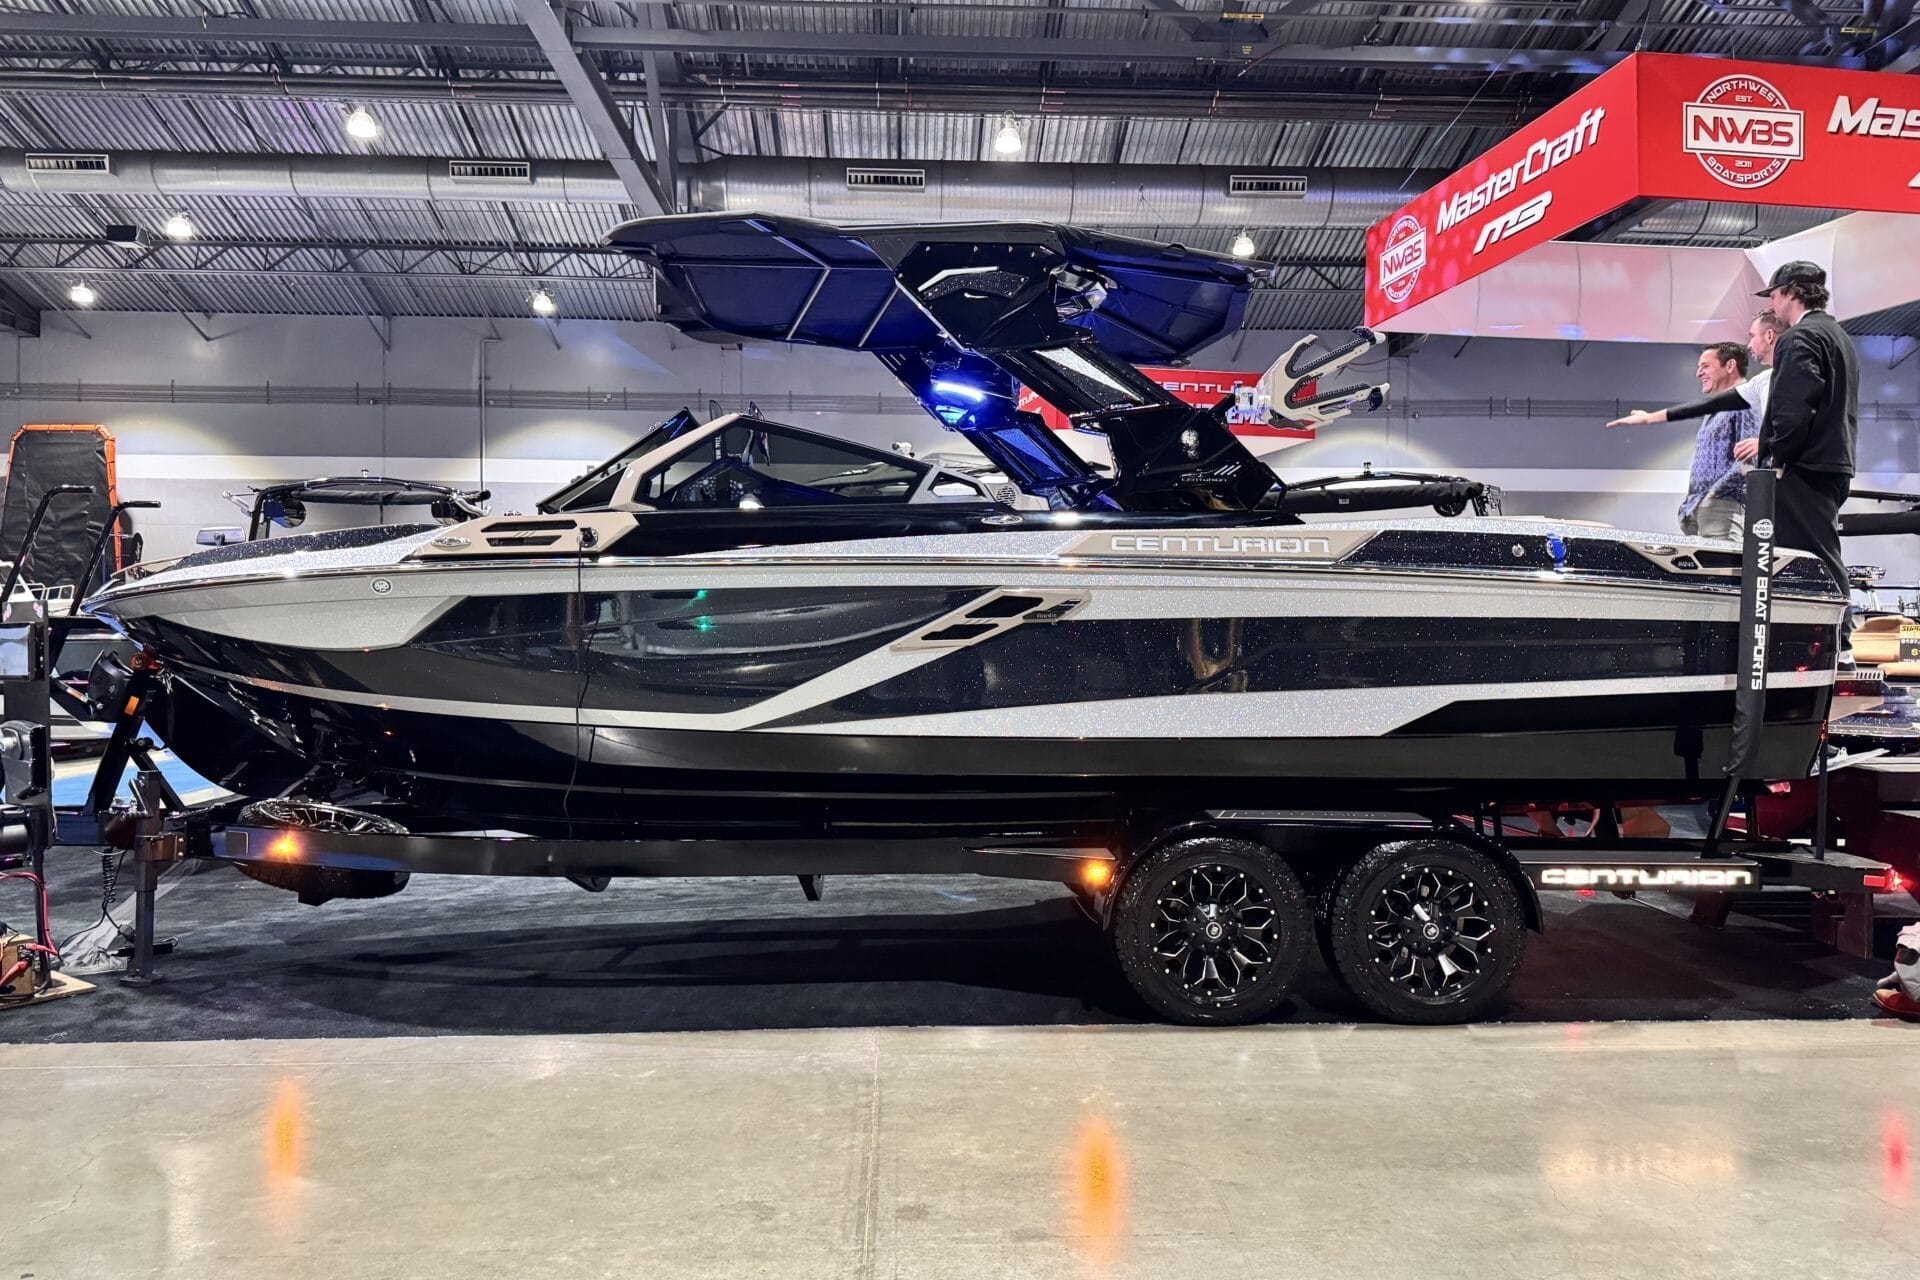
point(740, 624)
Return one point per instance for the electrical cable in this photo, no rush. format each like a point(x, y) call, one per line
point(45, 944)
point(111, 866)
point(1459, 115)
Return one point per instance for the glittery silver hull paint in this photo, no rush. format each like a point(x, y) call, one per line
point(1033, 672)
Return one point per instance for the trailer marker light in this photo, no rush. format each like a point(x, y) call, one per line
point(1097, 875)
point(285, 845)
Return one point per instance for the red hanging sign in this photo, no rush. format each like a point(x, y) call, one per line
point(1657, 126)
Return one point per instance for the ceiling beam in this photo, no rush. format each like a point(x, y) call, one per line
point(594, 101)
point(17, 315)
point(1194, 101)
point(207, 255)
point(666, 160)
point(1626, 19)
point(199, 248)
point(106, 278)
point(1811, 16)
point(213, 30)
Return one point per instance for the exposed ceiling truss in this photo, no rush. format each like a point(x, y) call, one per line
point(656, 87)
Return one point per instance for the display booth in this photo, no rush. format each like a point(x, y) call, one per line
point(1508, 246)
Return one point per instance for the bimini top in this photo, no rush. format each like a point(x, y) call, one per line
point(373, 491)
point(285, 504)
point(796, 280)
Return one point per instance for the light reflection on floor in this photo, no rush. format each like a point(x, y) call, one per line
point(1096, 1194)
point(284, 1155)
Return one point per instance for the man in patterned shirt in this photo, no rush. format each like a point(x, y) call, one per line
point(1715, 505)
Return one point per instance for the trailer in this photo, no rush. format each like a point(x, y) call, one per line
point(1211, 913)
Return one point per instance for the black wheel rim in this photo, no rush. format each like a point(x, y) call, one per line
point(1215, 932)
point(310, 815)
point(1431, 933)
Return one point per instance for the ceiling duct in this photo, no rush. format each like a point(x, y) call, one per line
point(179, 174)
point(1140, 196)
point(1097, 195)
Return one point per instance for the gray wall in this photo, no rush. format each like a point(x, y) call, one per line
point(1554, 459)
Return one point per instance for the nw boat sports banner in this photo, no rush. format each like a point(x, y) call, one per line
point(1657, 126)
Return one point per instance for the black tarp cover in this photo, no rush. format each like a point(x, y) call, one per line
point(41, 457)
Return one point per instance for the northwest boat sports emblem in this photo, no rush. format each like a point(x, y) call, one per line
point(1402, 258)
point(1743, 131)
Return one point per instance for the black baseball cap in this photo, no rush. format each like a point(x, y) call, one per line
point(1798, 272)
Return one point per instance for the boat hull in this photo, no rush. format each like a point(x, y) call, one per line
point(839, 688)
point(464, 771)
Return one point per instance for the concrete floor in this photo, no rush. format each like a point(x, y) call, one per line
point(465, 955)
point(1726, 1149)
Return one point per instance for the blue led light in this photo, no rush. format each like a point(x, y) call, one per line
point(947, 387)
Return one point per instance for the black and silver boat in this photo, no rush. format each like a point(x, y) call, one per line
point(744, 625)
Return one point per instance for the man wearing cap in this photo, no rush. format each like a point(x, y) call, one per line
point(1812, 417)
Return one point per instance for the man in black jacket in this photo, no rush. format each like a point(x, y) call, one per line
point(1811, 420)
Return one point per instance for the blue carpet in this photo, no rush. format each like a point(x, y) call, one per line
point(73, 790)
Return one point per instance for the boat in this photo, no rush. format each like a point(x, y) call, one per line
point(740, 625)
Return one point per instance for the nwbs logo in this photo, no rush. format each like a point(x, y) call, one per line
point(1743, 131)
point(1402, 258)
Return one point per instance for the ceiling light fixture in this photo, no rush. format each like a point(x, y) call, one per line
point(180, 227)
point(542, 303)
point(362, 125)
point(1243, 246)
point(82, 295)
point(1008, 142)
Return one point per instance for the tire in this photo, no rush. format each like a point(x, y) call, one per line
point(1242, 972)
point(1402, 977)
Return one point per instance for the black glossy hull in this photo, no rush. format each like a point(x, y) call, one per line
point(457, 771)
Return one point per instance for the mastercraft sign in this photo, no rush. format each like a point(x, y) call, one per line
point(1658, 126)
point(1555, 174)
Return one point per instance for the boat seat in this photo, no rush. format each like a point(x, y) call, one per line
point(1877, 641)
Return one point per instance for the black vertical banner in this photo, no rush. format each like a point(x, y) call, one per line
point(1756, 611)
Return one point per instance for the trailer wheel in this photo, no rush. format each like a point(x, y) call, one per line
point(1212, 931)
point(1426, 931)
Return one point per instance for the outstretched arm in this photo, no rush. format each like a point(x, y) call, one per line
point(1729, 401)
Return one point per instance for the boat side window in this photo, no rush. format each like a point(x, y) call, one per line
point(826, 467)
point(951, 486)
point(597, 495)
point(843, 470)
point(668, 478)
